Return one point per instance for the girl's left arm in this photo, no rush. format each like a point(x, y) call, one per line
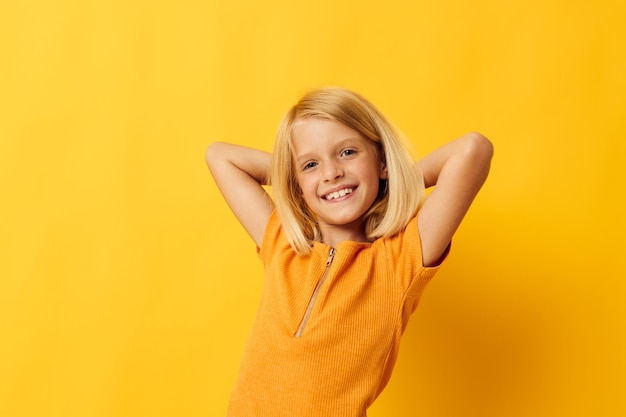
point(457, 170)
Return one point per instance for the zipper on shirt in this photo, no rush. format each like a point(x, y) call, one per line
point(307, 313)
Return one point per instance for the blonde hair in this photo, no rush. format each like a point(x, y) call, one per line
point(399, 199)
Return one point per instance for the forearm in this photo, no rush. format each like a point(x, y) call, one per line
point(471, 152)
point(226, 159)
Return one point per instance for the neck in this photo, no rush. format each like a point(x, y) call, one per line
point(332, 235)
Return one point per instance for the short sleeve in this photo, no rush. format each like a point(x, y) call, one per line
point(271, 238)
point(406, 259)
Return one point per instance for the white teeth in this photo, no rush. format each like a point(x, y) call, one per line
point(337, 194)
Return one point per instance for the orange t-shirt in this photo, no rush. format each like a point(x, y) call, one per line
point(327, 332)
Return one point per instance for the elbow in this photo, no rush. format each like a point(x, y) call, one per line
point(213, 152)
point(478, 147)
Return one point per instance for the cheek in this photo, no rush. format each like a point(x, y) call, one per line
point(304, 185)
point(309, 189)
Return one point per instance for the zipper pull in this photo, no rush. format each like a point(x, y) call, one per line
point(330, 256)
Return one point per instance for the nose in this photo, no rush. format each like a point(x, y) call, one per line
point(332, 171)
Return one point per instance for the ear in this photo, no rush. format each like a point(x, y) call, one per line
point(382, 170)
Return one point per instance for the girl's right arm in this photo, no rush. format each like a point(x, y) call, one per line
point(240, 173)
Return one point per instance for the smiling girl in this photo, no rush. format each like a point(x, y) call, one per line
point(348, 242)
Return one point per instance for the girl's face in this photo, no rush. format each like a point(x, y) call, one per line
point(338, 172)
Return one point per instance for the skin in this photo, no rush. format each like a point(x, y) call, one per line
point(330, 157)
point(457, 170)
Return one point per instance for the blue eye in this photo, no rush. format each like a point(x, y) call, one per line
point(348, 152)
point(309, 165)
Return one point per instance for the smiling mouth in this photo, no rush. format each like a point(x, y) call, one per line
point(338, 194)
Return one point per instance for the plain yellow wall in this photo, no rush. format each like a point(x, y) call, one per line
point(126, 286)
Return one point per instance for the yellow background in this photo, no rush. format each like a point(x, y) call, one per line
point(126, 286)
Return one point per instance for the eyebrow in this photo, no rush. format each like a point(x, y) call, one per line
point(301, 158)
point(341, 143)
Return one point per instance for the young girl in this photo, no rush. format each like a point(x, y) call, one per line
point(348, 244)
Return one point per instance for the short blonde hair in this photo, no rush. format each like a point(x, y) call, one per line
point(399, 199)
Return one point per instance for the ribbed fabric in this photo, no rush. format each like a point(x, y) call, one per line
point(349, 345)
